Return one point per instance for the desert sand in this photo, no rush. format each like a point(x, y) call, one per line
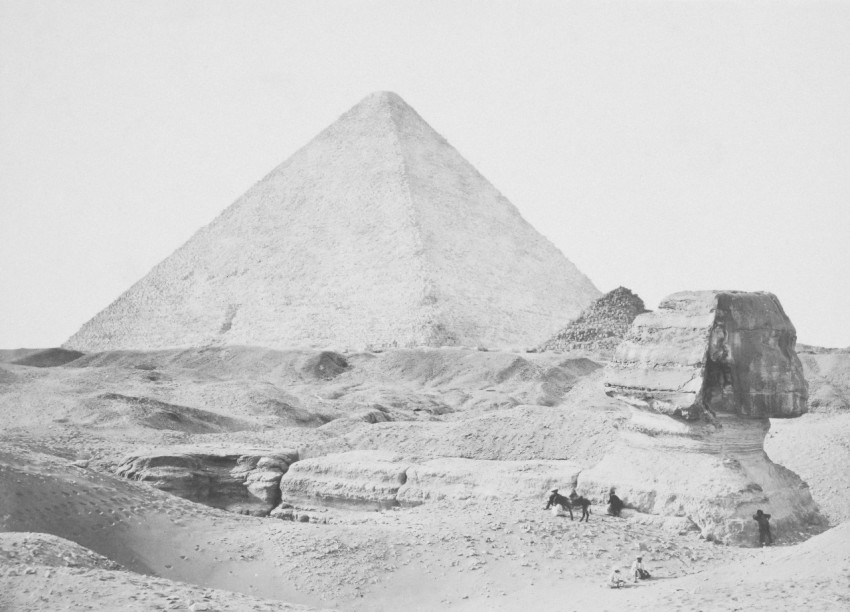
point(480, 437)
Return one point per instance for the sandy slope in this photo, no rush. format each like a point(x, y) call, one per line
point(39, 571)
point(359, 559)
point(828, 374)
point(817, 447)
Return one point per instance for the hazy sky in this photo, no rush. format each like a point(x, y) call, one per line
point(660, 146)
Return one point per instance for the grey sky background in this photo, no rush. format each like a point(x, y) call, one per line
point(660, 146)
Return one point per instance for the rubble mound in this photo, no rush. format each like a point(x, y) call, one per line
point(601, 326)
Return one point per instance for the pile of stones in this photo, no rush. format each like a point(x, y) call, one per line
point(601, 326)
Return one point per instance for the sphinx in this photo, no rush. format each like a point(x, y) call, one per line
point(702, 376)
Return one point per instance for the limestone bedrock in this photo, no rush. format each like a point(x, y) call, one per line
point(379, 479)
point(703, 375)
point(237, 479)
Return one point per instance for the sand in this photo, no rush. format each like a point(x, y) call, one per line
point(126, 545)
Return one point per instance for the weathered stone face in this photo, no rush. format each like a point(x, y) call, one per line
point(751, 367)
point(709, 352)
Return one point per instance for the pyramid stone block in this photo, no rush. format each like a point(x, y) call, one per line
point(377, 233)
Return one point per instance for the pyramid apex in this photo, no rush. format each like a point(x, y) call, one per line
point(383, 100)
point(380, 106)
point(384, 96)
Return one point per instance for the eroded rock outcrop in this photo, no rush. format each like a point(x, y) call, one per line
point(358, 480)
point(462, 479)
point(374, 480)
point(703, 375)
point(237, 479)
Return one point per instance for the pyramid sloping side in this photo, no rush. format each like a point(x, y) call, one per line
point(497, 280)
point(344, 245)
point(320, 252)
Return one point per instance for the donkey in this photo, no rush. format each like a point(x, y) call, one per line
point(556, 499)
point(568, 503)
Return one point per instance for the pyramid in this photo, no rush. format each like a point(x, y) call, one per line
point(375, 234)
point(602, 325)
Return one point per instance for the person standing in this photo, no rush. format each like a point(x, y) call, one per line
point(765, 539)
point(615, 504)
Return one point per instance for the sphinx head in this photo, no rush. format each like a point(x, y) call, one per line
point(711, 352)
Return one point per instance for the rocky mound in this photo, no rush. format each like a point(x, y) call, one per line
point(375, 234)
point(600, 326)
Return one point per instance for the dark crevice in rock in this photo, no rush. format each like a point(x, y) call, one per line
point(246, 481)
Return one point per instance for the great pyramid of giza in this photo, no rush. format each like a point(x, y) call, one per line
point(377, 233)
